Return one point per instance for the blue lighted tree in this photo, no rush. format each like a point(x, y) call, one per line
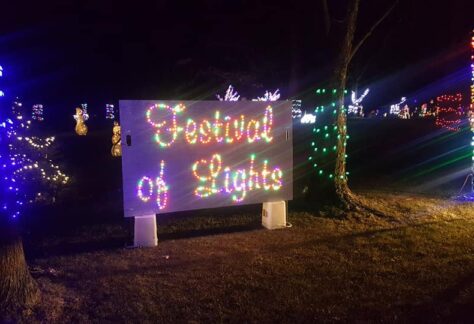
point(27, 176)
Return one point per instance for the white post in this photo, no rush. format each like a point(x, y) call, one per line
point(145, 234)
point(274, 215)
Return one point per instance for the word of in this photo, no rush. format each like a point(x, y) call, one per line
point(218, 130)
point(146, 186)
point(214, 178)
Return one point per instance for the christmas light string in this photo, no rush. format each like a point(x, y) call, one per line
point(449, 106)
point(296, 111)
point(471, 112)
point(37, 112)
point(324, 145)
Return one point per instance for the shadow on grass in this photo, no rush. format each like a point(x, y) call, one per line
point(443, 306)
point(208, 232)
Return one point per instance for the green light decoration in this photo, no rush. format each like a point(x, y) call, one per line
point(471, 111)
point(326, 135)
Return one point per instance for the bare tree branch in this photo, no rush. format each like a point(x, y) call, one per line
point(327, 17)
point(374, 26)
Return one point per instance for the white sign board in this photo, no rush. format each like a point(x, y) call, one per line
point(184, 155)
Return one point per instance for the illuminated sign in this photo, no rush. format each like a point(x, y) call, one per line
point(184, 155)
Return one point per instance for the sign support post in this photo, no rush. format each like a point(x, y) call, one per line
point(145, 232)
point(274, 214)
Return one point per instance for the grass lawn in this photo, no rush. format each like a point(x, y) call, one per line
point(416, 266)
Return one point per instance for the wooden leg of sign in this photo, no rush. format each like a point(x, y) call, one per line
point(145, 234)
point(274, 215)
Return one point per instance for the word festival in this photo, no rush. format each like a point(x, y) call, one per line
point(225, 130)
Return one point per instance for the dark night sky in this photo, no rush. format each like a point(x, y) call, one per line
point(63, 52)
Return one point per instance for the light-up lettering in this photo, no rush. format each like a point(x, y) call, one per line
point(173, 130)
point(187, 155)
point(167, 127)
point(217, 127)
point(236, 183)
point(191, 131)
point(159, 185)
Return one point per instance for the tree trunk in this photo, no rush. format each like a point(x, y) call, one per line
point(18, 290)
point(343, 193)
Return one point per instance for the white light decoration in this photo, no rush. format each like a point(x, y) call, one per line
point(296, 111)
point(230, 95)
point(85, 115)
point(269, 96)
point(37, 112)
point(405, 113)
point(2, 94)
point(308, 119)
point(395, 109)
point(109, 111)
point(17, 108)
point(356, 108)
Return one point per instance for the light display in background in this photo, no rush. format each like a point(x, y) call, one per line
point(308, 118)
point(85, 114)
point(37, 112)
point(17, 109)
point(109, 111)
point(395, 108)
point(449, 111)
point(296, 111)
point(1, 75)
point(202, 154)
point(80, 118)
point(269, 96)
point(116, 140)
point(355, 108)
point(230, 95)
point(405, 112)
point(471, 112)
point(424, 110)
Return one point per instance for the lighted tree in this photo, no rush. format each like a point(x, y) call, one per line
point(347, 51)
point(27, 176)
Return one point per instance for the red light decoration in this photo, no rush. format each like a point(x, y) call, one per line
point(449, 111)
